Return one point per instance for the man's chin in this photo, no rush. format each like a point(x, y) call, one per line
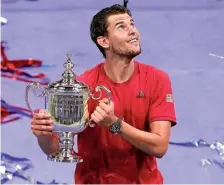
point(129, 53)
point(135, 53)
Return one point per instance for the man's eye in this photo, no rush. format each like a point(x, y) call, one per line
point(121, 27)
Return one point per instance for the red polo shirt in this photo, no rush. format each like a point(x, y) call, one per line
point(108, 158)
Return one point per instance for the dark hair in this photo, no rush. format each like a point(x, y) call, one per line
point(99, 25)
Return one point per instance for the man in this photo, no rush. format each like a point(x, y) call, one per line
point(134, 129)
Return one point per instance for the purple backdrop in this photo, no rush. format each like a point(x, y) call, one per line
point(178, 36)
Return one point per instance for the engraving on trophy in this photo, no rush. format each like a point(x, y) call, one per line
point(66, 109)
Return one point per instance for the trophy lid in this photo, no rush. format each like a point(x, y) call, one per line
point(68, 81)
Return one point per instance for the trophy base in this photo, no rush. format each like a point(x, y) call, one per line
point(68, 157)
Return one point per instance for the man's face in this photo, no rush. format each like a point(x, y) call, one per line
point(123, 36)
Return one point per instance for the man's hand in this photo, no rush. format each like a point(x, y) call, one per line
point(42, 128)
point(42, 124)
point(104, 113)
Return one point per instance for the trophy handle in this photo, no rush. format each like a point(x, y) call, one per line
point(99, 89)
point(36, 87)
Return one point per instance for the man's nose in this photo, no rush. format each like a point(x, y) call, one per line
point(131, 30)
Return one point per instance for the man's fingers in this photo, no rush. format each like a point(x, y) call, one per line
point(41, 133)
point(100, 111)
point(104, 107)
point(98, 115)
point(42, 111)
point(104, 100)
point(95, 118)
point(42, 122)
point(42, 128)
point(41, 116)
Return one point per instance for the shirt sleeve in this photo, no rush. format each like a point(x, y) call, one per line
point(162, 102)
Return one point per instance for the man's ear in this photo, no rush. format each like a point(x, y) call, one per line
point(103, 42)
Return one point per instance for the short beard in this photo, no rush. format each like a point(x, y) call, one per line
point(125, 54)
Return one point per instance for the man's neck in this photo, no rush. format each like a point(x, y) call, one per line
point(119, 70)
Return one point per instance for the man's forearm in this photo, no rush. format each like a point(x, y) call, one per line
point(49, 144)
point(150, 143)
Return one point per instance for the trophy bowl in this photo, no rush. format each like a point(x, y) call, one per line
point(67, 102)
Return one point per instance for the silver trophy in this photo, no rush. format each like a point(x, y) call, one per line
point(66, 101)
